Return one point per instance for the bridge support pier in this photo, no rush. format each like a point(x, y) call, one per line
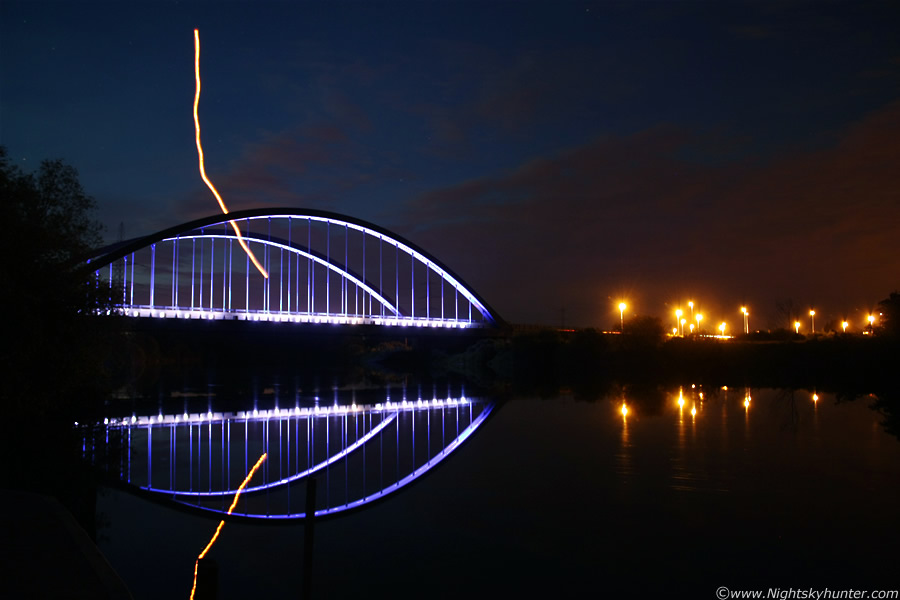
point(309, 538)
point(207, 580)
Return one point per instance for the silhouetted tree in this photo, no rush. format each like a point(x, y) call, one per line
point(648, 331)
point(832, 326)
point(889, 320)
point(52, 358)
point(887, 403)
point(787, 312)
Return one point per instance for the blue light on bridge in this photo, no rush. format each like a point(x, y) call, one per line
point(359, 453)
point(324, 268)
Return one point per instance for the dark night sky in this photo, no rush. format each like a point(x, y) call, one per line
point(554, 154)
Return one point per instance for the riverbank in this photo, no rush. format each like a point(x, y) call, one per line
point(552, 360)
point(159, 353)
point(49, 555)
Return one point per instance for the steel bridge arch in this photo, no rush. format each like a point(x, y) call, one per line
point(346, 274)
point(171, 433)
point(393, 313)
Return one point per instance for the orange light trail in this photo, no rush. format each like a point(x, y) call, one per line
point(206, 180)
point(234, 502)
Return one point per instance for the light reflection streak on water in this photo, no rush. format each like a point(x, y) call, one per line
point(723, 427)
point(747, 400)
point(623, 458)
point(682, 476)
point(815, 399)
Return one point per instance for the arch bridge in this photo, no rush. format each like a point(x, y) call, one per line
point(323, 268)
point(362, 453)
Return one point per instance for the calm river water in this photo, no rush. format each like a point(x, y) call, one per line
point(756, 489)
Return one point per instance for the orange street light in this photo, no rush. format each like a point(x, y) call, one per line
point(722, 327)
point(797, 326)
point(622, 307)
point(746, 319)
point(844, 326)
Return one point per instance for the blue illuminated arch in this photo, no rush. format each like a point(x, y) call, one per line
point(140, 430)
point(397, 306)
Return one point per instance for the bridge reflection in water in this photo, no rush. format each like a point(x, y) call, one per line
point(357, 453)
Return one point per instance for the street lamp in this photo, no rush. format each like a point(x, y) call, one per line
point(812, 321)
point(678, 314)
point(844, 325)
point(691, 304)
point(683, 321)
point(797, 326)
point(722, 328)
point(699, 318)
point(622, 307)
point(746, 319)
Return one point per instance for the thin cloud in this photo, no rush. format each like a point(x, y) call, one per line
point(582, 222)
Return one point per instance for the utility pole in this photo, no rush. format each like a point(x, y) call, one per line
point(309, 538)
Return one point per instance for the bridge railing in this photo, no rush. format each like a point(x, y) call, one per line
point(321, 269)
point(358, 453)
